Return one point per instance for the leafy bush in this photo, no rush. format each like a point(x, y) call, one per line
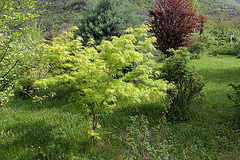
point(177, 70)
point(25, 87)
point(227, 49)
point(103, 19)
point(16, 56)
point(202, 43)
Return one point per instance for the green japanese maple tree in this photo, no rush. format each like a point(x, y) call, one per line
point(94, 73)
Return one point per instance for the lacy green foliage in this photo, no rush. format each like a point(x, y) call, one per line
point(188, 82)
point(105, 18)
point(15, 55)
point(235, 97)
point(90, 71)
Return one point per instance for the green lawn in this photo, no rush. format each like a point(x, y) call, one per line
point(50, 131)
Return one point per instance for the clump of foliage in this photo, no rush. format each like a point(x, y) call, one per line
point(177, 70)
point(226, 35)
point(94, 73)
point(202, 43)
point(15, 56)
point(235, 97)
point(159, 142)
point(172, 23)
point(220, 37)
point(147, 143)
point(105, 18)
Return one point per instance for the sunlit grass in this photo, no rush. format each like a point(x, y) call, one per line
point(214, 126)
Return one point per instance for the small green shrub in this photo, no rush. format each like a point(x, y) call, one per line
point(202, 43)
point(188, 83)
point(146, 143)
point(227, 49)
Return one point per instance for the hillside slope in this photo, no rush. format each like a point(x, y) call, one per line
point(216, 7)
point(63, 13)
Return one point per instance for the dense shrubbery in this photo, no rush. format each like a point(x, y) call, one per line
point(221, 37)
point(177, 70)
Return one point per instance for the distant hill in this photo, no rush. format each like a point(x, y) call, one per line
point(62, 13)
point(59, 14)
point(216, 7)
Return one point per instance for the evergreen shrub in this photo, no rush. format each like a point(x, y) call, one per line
point(103, 19)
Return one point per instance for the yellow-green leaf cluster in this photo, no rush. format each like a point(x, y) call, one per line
point(95, 73)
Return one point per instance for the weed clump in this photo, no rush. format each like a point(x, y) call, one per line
point(235, 97)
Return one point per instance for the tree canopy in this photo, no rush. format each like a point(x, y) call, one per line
point(172, 21)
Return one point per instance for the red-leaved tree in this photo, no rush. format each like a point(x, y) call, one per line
point(172, 21)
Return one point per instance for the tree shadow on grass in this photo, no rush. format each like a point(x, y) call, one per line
point(38, 140)
point(120, 119)
point(220, 75)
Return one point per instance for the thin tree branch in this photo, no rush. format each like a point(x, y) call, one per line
point(11, 68)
